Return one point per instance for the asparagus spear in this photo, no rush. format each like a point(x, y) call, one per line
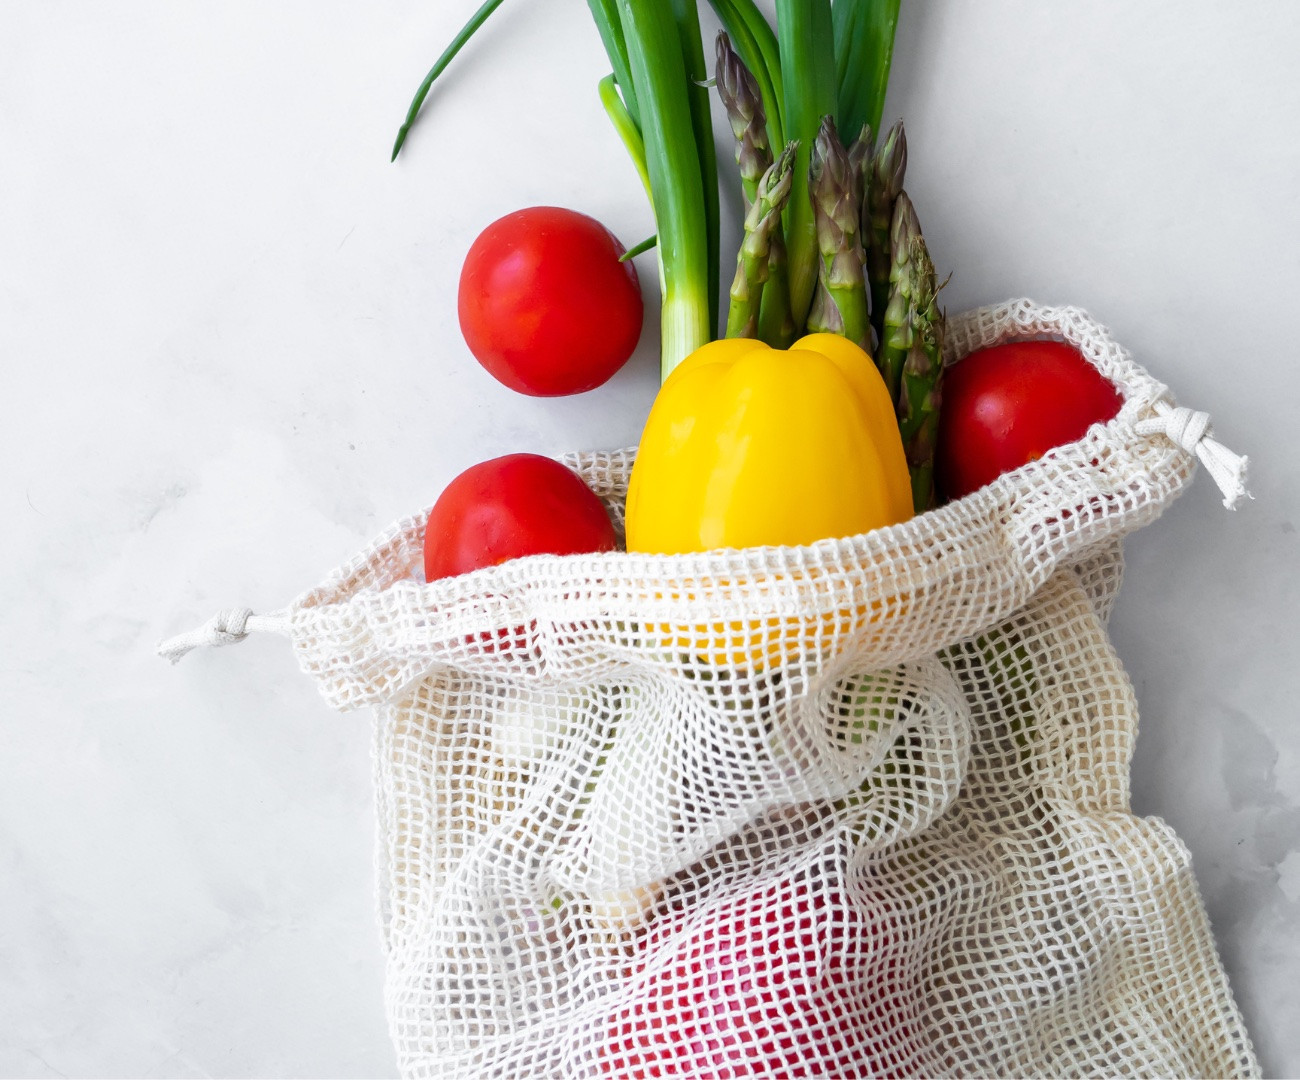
point(762, 221)
point(743, 104)
point(885, 182)
point(806, 45)
point(912, 351)
point(920, 392)
point(860, 162)
point(775, 319)
point(896, 337)
point(840, 300)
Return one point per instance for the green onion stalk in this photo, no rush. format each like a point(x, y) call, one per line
point(448, 54)
point(839, 303)
point(864, 52)
point(762, 223)
point(820, 60)
point(604, 13)
point(626, 127)
point(687, 15)
point(679, 175)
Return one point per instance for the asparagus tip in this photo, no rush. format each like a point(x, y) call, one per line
point(777, 179)
point(827, 152)
point(860, 155)
point(742, 102)
point(890, 161)
point(905, 227)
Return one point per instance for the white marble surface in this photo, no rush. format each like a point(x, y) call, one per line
point(230, 350)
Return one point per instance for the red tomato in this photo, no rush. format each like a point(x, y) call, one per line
point(545, 305)
point(792, 981)
point(520, 504)
point(1010, 404)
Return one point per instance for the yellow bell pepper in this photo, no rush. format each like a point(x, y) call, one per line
point(748, 445)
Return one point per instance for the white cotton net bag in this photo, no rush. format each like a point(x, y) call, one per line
point(859, 808)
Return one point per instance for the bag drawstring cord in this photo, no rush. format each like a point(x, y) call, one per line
point(1190, 429)
point(226, 627)
point(1187, 428)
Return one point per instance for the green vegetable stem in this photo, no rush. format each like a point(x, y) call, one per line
point(604, 14)
point(687, 16)
point(839, 303)
point(681, 173)
point(767, 316)
point(807, 47)
point(754, 40)
point(860, 151)
point(448, 54)
point(775, 319)
point(743, 104)
point(885, 182)
point(752, 264)
point(778, 84)
point(626, 128)
point(912, 351)
point(864, 51)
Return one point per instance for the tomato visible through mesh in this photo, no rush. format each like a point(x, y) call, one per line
point(791, 981)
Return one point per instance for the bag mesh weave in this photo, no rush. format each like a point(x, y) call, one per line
point(855, 808)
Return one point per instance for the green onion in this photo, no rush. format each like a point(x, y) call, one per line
point(467, 31)
point(604, 14)
point(626, 127)
point(822, 61)
point(639, 249)
point(807, 46)
point(864, 49)
point(659, 73)
point(698, 73)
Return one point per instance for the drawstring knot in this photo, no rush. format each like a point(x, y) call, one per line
point(1190, 430)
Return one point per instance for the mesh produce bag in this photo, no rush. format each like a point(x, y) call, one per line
point(855, 808)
